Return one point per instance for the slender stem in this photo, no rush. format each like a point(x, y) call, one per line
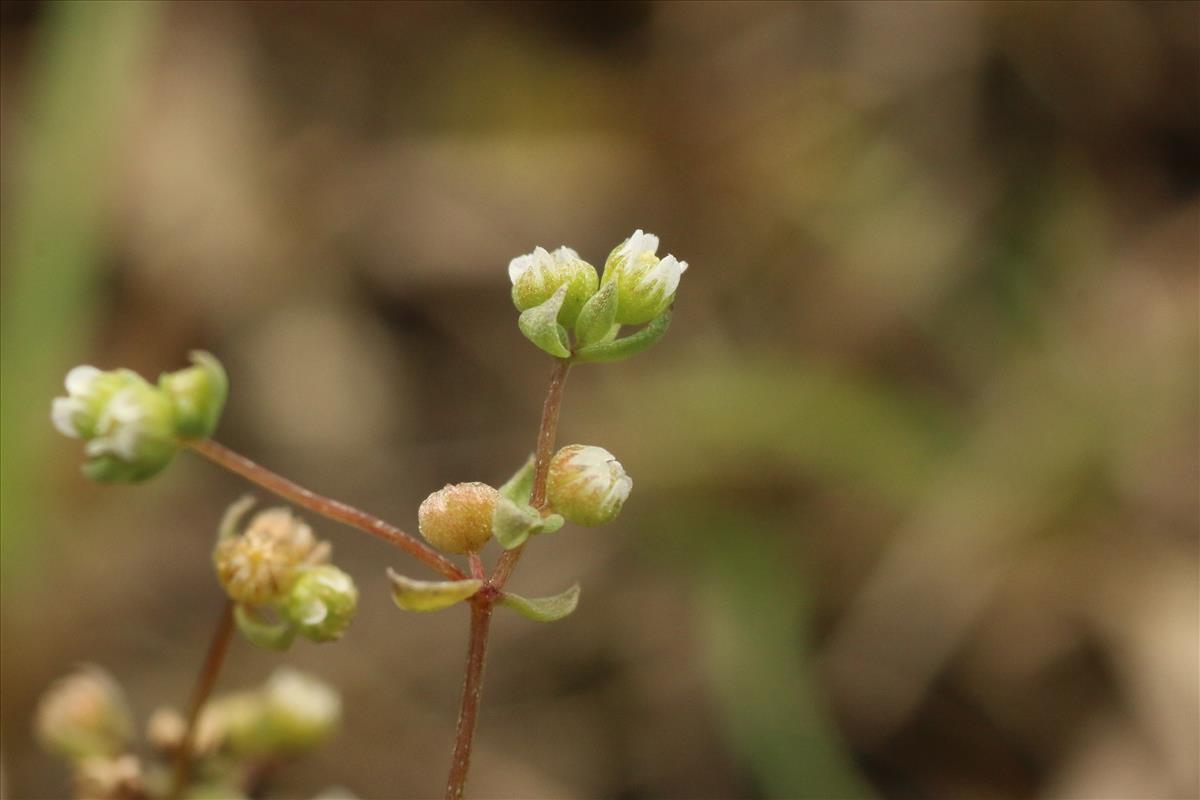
point(326, 507)
point(547, 430)
point(484, 602)
point(477, 567)
point(468, 714)
point(218, 646)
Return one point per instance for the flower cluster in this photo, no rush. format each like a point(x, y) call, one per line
point(132, 428)
point(277, 572)
point(85, 718)
point(570, 312)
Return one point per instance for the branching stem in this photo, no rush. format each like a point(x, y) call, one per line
point(218, 646)
point(326, 507)
point(484, 602)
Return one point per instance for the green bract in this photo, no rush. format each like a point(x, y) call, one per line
point(198, 395)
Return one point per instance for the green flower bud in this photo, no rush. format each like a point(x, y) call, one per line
point(301, 711)
point(85, 715)
point(646, 284)
point(458, 517)
point(537, 276)
point(260, 566)
point(587, 485)
point(128, 424)
point(198, 395)
point(237, 723)
point(321, 603)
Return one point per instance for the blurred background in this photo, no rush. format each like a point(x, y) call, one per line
point(916, 468)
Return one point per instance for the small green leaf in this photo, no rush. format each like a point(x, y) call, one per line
point(551, 523)
point(520, 486)
point(544, 609)
point(598, 316)
point(540, 325)
point(233, 517)
point(626, 346)
point(512, 523)
point(261, 632)
point(414, 595)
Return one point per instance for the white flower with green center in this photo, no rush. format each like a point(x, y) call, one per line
point(587, 485)
point(129, 425)
point(646, 284)
point(538, 275)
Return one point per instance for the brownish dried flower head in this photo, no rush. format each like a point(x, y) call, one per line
point(259, 566)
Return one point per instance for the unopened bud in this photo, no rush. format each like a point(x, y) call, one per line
point(259, 566)
point(587, 485)
point(84, 714)
point(458, 517)
point(301, 711)
point(537, 276)
point(198, 395)
point(646, 284)
point(321, 603)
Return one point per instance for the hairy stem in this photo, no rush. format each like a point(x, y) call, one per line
point(547, 431)
point(326, 507)
point(484, 602)
point(218, 646)
point(468, 713)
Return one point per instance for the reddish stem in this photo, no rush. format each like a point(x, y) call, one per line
point(547, 431)
point(468, 713)
point(218, 646)
point(326, 507)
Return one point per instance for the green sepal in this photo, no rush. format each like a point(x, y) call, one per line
point(598, 316)
point(512, 523)
point(414, 595)
point(232, 518)
point(626, 346)
point(519, 487)
point(197, 394)
point(544, 609)
point(540, 325)
point(268, 635)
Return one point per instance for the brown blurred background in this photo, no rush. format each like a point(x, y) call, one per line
point(916, 468)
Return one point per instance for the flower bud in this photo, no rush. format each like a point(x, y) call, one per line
point(260, 566)
point(646, 284)
point(198, 395)
point(321, 603)
point(458, 517)
point(587, 485)
point(84, 714)
point(301, 711)
point(128, 424)
point(537, 276)
point(235, 722)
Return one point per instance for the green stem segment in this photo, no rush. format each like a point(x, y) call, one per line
point(484, 602)
point(217, 648)
point(326, 507)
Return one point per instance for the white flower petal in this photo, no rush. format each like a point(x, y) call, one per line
point(667, 274)
point(63, 413)
point(565, 255)
point(639, 244)
point(79, 379)
point(519, 266)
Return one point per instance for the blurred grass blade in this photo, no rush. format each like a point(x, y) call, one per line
point(83, 76)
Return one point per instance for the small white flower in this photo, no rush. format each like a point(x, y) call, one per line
point(538, 275)
point(646, 284)
point(587, 485)
point(300, 709)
